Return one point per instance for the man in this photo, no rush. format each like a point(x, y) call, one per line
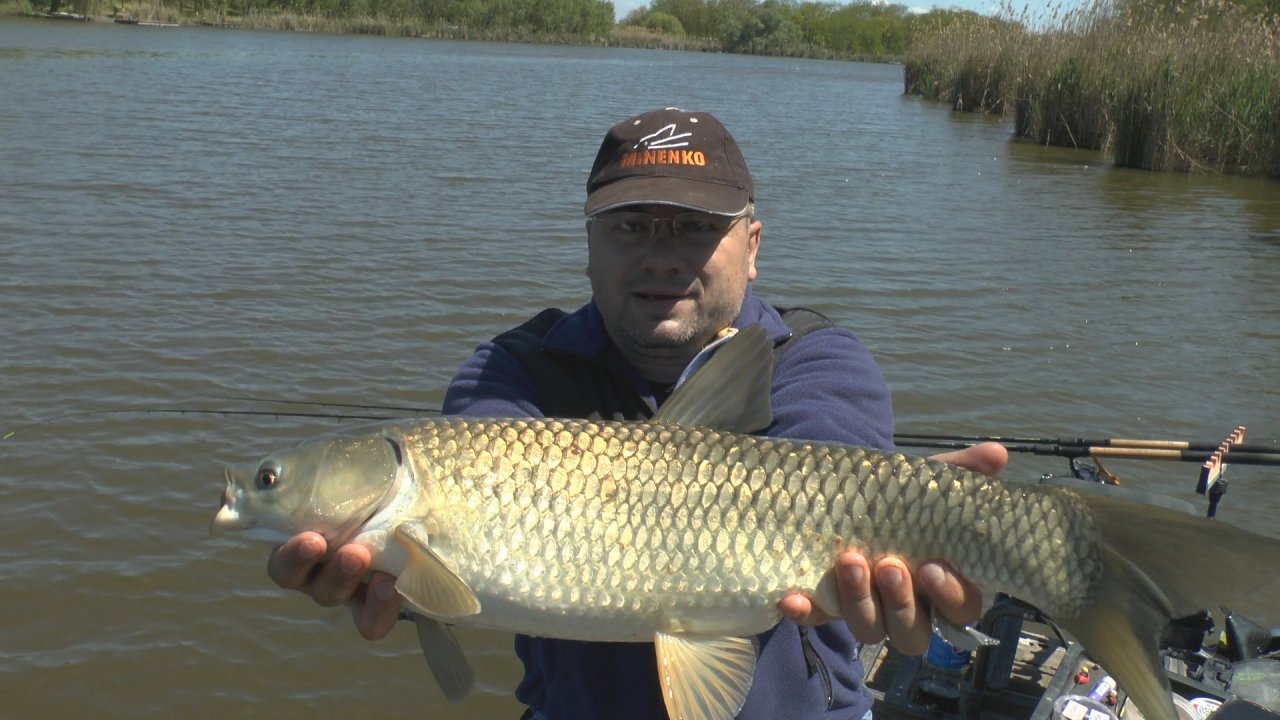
point(672, 241)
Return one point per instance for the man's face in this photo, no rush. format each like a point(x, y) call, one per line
point(672, 289)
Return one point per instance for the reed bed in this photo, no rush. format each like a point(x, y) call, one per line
point(16, 8)
point(1189, 86)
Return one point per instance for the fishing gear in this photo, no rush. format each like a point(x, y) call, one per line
point(1235, 439)
point(204, 411)
point(357, 406)
point(1213, 458)
point(1246, 457)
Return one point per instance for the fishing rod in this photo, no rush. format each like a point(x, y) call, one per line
point(406, 411)
point(919, 440)
point(203, 411)
point(1246, 457)
point(356, 406)
point(260, 413)
point(1213, 459)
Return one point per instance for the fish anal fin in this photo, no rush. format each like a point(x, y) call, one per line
point(1121, 631)
point(445, 658)
point(704, 677)
point(427, 582)
point(731, 390)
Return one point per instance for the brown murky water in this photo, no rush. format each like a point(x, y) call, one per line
point(189, 214)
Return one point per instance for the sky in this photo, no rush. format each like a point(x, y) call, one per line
point(986, 7)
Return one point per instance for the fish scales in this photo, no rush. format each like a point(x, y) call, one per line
point(776, 513)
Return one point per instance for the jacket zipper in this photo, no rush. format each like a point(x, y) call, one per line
point(814, 663)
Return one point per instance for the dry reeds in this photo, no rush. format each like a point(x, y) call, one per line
point(1190, 86)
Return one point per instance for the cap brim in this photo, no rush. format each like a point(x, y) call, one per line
point(682, 192)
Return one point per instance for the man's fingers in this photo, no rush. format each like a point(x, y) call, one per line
point(375, 606)
point(988, 458)
point(801, 610)
point(339, 578)
point(291, 565)
point(905, 620)
point(299, 564)
point(955, 598)
point(858, 602)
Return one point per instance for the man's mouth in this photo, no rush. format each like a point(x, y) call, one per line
point(662, 295)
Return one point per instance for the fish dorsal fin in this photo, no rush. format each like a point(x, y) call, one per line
point(731, 390)
point(704, 677)
point(427, 582)
point(445, 657)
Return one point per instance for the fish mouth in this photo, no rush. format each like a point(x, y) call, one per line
point(228, 518)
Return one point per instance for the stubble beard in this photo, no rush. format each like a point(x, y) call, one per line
point(670, 336)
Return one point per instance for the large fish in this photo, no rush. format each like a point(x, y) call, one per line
point(686, 531)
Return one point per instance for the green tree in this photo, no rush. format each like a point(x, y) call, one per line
point(663, 23)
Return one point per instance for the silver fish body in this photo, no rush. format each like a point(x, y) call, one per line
point(599, 531)
point(673, 531)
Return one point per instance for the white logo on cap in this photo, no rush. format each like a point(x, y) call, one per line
point(664, 139)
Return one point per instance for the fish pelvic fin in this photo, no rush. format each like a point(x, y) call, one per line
point(704, 678)
point(731, 390)
point(1159, 564)
point(445, 658)
point(427, 582)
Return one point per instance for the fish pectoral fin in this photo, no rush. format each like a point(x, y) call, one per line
point(704, 677)
point(428, 583)
point(445, 658)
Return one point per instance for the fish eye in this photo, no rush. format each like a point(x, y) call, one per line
point(267, 477)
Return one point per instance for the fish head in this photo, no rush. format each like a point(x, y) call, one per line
point(330, 486)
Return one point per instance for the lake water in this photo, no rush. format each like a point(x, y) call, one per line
point(189, 214)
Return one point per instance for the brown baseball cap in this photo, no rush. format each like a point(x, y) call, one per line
point(670, 157)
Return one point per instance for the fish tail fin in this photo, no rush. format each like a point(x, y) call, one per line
point(1158, 565)
point(1121, 631)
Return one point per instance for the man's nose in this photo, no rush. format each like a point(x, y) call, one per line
point(662, 253)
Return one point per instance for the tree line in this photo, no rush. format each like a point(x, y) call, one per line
point(862, 29)
point(555, 18)
point(787, 27)
point(858, 30)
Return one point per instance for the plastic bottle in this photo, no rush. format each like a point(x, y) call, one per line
point(944, 669)
point(1103, 690)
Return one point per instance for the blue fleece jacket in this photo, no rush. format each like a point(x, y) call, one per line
point(827, 387)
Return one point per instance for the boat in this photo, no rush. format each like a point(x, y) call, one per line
point(128, 20)
point(1229, 671)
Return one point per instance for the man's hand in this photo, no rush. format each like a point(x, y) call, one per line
point(892, 609)
point(299, 565)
